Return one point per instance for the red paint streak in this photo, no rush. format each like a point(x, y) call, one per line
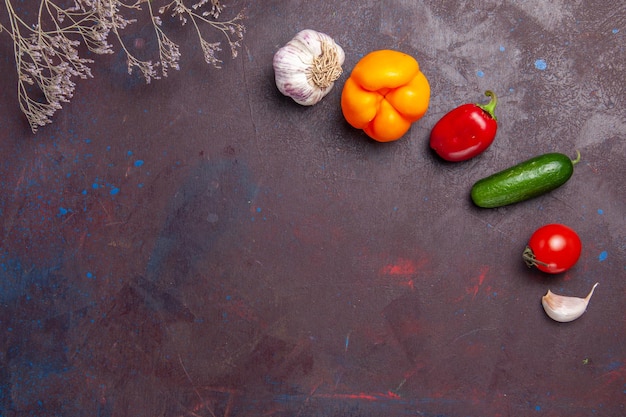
point(213, 395)
point(473, 291)
point(610, 377)
point(403, 270)
point(392, 395)
point(362, 396)
point(308, 398)
point(401, 267)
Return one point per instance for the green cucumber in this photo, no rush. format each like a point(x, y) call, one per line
point(523, 181)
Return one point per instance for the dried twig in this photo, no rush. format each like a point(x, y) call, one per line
point(47, 50)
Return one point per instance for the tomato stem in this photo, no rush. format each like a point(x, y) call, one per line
point(577, 160)
point(490, 107)
point(529, 257)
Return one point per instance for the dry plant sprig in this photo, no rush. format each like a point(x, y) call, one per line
point(47, 50)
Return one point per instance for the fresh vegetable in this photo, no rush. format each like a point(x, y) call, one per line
point(465, 131)
point(565, 309)
point(306, 68)
point(525, 180)
point(553, 248)
point(385, 93)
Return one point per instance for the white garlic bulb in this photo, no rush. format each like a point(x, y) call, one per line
point(306, 68)
point(564, 309)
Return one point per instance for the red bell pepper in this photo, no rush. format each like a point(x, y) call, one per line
point(465, 131)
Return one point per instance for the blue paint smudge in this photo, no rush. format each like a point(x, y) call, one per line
point(129, 153)
point(89, 275)
point(63, 211)
point(600, 211)
point(115, 191)
point(95, 185)
point(502, 48)
point(541, 64)
point(138, 163)
point(537, 408)
point(615, 31)
point(480, 73)
point(16, 278)
point(603, 255)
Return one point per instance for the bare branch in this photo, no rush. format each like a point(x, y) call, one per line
point(47, 56)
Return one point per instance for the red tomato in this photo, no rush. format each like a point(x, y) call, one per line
point(553, 248)
point(465, 131)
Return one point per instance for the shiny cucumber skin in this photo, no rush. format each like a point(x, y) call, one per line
point(523, 181)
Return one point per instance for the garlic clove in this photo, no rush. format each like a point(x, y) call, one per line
point(306, 68)
point(565, 309)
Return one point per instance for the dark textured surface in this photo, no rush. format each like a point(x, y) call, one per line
point(265, 259)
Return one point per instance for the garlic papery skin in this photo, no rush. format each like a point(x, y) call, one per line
point(565, 309)
point(307, 67)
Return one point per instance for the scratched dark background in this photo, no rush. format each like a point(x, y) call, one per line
point(203, 246)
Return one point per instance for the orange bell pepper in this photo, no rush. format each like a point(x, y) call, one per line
point(385, 93)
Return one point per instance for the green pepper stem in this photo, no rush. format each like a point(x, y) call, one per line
point(577, 160)
point(530, 260)
point(490, 107)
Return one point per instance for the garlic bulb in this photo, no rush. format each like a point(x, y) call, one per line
point(306, 68)
point(564, 309)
